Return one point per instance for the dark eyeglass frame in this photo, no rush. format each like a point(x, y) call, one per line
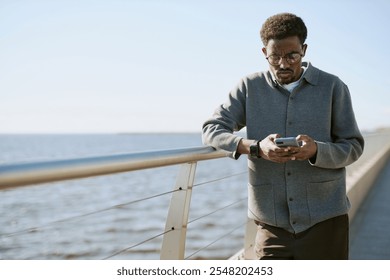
point(291, 58)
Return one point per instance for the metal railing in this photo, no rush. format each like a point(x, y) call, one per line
point(174, 236)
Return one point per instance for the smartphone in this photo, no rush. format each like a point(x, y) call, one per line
point(286, 142)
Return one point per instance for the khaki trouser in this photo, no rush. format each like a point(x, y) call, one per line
point(327, 240)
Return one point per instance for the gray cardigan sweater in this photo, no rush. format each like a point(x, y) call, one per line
point(298, 194)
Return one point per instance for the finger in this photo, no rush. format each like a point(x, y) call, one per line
point(272, 137)
point(282, 153)
point(304, 139)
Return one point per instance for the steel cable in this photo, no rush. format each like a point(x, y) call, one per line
point(69, 219)
point(138, 244)
point(215, 241)
point(219, 179)
point(215, 211)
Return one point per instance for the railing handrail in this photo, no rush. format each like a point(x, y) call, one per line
point(23, 174)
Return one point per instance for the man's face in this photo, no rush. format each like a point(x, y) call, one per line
point(285, 72)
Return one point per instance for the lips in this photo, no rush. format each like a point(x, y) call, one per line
point(284, 72)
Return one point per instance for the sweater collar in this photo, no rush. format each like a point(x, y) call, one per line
point(311, 74)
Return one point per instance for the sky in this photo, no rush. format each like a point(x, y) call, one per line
point(93, 66)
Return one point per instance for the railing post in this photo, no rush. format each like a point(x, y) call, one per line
point(173, 245)
point(249, 242)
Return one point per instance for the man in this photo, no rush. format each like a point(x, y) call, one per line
point(296, 195)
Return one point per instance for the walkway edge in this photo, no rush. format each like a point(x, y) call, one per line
point(360, 183)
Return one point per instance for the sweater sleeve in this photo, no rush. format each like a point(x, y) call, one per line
point(218, 131)
point(347, 142)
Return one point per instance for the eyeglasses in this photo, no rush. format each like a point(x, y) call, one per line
point(291, 58)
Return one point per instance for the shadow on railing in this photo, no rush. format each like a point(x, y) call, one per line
point(360, 178)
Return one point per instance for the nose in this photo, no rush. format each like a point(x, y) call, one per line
point(283, 63)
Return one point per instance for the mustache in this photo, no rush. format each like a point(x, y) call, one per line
point(284, 70)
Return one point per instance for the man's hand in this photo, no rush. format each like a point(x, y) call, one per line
point(271, 152)
point(308, 148)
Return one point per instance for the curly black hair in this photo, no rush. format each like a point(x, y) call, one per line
point(281, 26)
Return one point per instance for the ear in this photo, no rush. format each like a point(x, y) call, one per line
point(264, 50)
point(304, 48)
